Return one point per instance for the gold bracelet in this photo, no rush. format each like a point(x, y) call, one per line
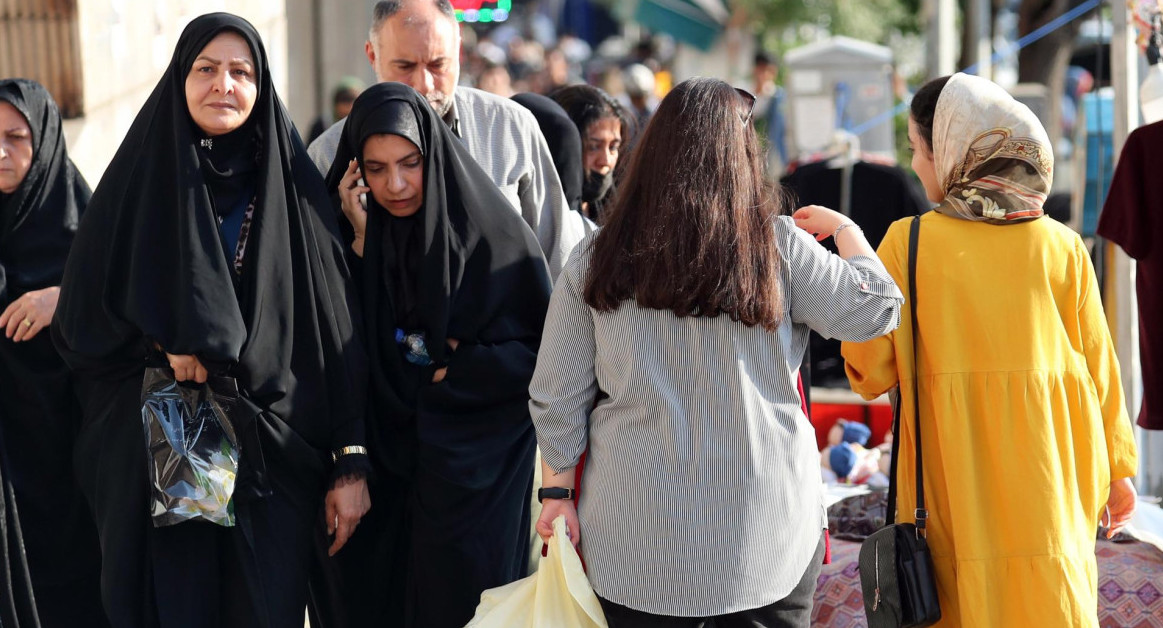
point(346, 451)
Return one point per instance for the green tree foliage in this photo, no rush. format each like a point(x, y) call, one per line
point(869, 20)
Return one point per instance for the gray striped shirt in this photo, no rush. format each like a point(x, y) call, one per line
point(505, 140)
point(701, 494)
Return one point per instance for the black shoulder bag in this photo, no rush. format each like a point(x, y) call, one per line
point(896, 569)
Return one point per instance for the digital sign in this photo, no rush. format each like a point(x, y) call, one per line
point(482, 10)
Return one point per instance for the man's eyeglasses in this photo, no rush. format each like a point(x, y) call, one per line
point(748, 101)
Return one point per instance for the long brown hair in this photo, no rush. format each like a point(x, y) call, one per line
point(692, 228)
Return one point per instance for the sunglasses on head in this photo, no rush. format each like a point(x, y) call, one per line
point(748, 101)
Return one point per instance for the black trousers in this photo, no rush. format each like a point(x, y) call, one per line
point(793, 611)
point(198, 577)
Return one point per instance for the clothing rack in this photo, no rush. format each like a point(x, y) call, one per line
point(845, 151)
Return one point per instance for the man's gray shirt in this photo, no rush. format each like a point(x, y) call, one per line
point(507, 143)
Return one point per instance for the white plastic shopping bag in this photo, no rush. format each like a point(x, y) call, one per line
point(557, 596)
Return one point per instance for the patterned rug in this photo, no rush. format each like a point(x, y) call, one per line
point(1130, 587)
point(839, 603)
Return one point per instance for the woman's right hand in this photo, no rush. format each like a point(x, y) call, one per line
point(438, 376)
point(818, 220)
point(552, 509)
point(187, 367)
point(25, 317)
point(349, 193)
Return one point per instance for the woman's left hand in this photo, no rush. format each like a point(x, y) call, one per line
point(347, 502)
point(1120, 506)
point(33, 311)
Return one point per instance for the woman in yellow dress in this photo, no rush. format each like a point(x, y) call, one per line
point(1027, 442)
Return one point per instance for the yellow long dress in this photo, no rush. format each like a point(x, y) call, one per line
point(1023, 421)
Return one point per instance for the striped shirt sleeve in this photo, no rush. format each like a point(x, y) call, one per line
point(563, 387)
point(851, 299)
point(322, 150)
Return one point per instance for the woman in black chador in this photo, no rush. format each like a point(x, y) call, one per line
point(454, 290)
point(41, 198)
point(211, 246)
point(565, 144)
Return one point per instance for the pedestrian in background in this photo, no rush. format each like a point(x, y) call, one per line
point(344, 94)
point(605, 127)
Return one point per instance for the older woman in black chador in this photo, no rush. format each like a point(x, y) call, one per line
point(211, 244)
point(454, 298)
point(41, 198)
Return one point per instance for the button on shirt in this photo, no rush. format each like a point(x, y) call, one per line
point(506, 142)
point(702, 492)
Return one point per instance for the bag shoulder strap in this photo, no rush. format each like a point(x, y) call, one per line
point(921, 514)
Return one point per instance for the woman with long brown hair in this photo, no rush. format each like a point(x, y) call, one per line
point(687, 316)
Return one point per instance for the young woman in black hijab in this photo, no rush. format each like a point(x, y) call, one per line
point(41, 199)
point(454, 297)
point(211, 239)
point(565, 144)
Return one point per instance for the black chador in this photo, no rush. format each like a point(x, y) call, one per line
point(39, 414)
point(565, 143)
point(454, 459)
point(150, 267)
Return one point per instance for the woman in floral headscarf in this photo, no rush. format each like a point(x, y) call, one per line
point(1027, 442)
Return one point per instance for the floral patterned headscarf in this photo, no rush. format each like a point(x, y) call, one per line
point(992, 155)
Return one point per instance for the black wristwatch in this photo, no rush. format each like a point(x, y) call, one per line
point(555, 493)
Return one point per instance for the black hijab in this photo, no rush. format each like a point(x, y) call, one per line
point(565, 143)
point(478, 272)
point(230, 164)
point(148, 264)
point(38, 220)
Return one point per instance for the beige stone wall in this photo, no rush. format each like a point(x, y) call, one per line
point(327, 43)
point(125, 47)
point(126, 44)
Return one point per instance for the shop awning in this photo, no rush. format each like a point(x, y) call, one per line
point(694, 22)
